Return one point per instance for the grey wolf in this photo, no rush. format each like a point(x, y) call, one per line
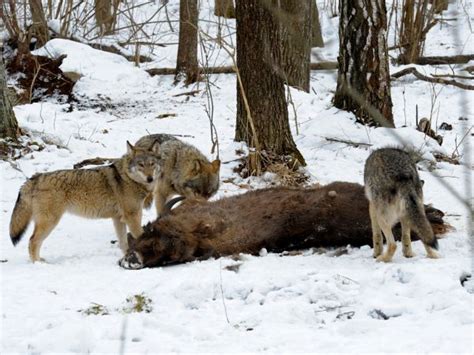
point(115, 191)
point(185, 170)
point(276, 219)
point(395, 193)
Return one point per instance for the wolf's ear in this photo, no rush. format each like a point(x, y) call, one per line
point(215, 165)
point(155, 147)
point(130, 148)
point(197, 166)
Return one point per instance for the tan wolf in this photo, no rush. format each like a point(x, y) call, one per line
point(394, 191)
point(185, 170)
point(115, 191)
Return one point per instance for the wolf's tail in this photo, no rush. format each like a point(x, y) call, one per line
point(419, 223)
point(21, 216)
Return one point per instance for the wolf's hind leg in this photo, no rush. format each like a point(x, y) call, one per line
point(391, 245)
point(406, 238)
point(376, 232)
point(43, 227)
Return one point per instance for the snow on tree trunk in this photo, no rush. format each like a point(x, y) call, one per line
point(187, 61)
point(8, 123)
point(258, 52)
point(363, 61)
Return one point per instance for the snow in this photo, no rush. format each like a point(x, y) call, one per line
point(271, 303)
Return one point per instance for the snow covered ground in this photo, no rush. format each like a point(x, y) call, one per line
point(273, 303)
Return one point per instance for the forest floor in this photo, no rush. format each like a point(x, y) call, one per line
point(80, 300)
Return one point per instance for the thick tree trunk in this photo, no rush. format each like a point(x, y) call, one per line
point(316, 35)
point(295, 23)
point(39, 28)
point(8, 123)
point(187, 61)
point(260, 83)
point(363, 80)
point(224, 8)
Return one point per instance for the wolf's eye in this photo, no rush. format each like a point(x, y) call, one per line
point(141, 165)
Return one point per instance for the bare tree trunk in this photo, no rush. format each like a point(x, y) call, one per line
point(363, 77)
point(316, 35)
point(106, 15)
point(8, 123)
point(417, 19)
point(295, 22)
point(263, 124)
point(224, 8)
point(187, 61)
point(39, 28)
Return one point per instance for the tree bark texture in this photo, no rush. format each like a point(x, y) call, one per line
point(295, 23)
point(224, 8)
point(258, 56)
point(8, 123)
point(187, 61)
point(316, 35)
point(363, 80)
point(39, 28)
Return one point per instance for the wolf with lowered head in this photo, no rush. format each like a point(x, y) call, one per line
point(115, 191)
point(185, 170)
point(394, 191)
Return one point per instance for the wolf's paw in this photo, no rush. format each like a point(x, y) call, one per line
point(384, 258)
point(131, 261)
point(432, 254)
point(39, 260)
point(377, 253)
point(408, 253)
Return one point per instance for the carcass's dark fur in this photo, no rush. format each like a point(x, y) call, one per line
point(276, 219)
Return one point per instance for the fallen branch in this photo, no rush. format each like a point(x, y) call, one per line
point(354, 144)
point(188, 93)
point(452, 76)
point(231, 69)
point(456, 59)
point(115, 49)
point(420, 76)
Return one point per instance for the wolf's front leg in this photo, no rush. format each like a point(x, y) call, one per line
point(133, 219)
point(121, 231)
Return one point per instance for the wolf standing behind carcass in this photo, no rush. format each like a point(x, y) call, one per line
point(185, 170)
point(114, 191)
point(394, 191)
